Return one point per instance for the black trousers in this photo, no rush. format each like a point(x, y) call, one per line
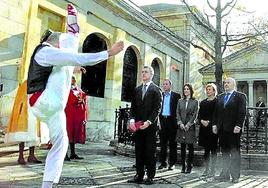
point(167, 139)
point(211, 158)
point(145, 150)
point(230, 144)
point(190, 155)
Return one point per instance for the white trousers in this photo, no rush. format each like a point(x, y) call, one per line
point(56, 122)
point(49, 108)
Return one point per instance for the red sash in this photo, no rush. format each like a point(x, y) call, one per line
point(34, 97)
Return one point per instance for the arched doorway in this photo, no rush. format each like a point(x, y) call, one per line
point(156, 67)
point(129, 74)
point(93, 82)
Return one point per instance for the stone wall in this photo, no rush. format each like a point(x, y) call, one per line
point(13, 18)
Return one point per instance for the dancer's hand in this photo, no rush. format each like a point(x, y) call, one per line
point(72, 25)
point(116, 48)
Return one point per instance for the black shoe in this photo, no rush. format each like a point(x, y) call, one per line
point(162, 166)
point(171, 167)
point(33, 160)
point(149, 181)
point(21, 161)
point(235, 180)
point(67, 158)
point(74, 156)
point(183, 169)
point(206, 172)
point(136, 179)
point(188, 170)
point(221, 178)
point(212, 172)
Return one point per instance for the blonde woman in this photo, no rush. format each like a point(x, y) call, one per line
point(207, 138)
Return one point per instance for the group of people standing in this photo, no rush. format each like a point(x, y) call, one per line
point(49, 84)
point(220, 120)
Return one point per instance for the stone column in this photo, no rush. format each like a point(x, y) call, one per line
point(167, 66)
point(250, 93)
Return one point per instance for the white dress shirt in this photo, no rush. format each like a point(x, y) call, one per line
point(147, 84)
point(51, 56)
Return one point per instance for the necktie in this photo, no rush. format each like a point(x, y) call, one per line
point(226, 98)
point(143, 90)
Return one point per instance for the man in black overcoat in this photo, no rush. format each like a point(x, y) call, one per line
point(229, 117)
point(145, 107)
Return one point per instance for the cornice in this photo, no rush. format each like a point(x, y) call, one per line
point(129, 10)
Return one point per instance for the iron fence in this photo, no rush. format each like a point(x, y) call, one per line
point(254, 136)
point(120, 130)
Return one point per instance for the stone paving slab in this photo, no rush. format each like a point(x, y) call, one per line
point(101, 167)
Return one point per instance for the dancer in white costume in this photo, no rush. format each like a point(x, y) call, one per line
point(49, 82)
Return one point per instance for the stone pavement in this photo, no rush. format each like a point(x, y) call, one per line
point(103, 168)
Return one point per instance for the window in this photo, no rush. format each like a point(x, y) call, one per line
point(129, 75)
point(156, 78)
point(93, 82)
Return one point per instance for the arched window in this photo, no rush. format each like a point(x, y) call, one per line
point(129, 75)
point(156, 78)
point(93, 82)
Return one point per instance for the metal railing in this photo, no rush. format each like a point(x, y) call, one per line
point(254, 136)
point(120, 130)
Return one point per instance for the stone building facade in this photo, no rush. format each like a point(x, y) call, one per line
point(102, 23)
point(181, 21)
point(249, 67)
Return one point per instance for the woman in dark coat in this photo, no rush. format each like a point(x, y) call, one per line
point(187, 110)
point(207, 138)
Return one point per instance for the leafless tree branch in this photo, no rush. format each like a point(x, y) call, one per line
point(249, 36)
point(200, 22)
point(237, 43)
point(229, 4)
point(207, 17)
point(201, 48)
point(210, 6)
point(226, 38)
point(231, 8)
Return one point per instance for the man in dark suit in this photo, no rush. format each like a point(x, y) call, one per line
point(145, 107)
point(260, 112)
point(168, 124)
point(229, 117)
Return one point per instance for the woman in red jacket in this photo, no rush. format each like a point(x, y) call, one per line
point(76, 113)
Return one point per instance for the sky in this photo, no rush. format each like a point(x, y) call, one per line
point(238, 20)
point(258, 6)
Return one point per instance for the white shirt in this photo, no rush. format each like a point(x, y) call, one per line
point(147, 84)
point(51, 56)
